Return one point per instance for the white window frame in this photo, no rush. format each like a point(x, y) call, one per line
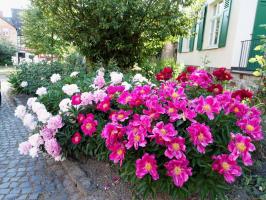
point(185, 45)
point(216, 16)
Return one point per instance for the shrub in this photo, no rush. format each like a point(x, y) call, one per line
point(30, 76)
point(7, 50)
point(185, 137)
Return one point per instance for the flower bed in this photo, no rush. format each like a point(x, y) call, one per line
point(183, 137)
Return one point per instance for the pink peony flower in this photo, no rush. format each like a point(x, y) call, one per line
point(178, 170)
point(175, 148)
point(136, 139)
point(47, 133)
point(76, 138)
point(55, 122)
point(24, 148)
point(251, 127)
point(89, 125)
point(86, 98)
point(99, 80)
point(113, 89)
point(239, 109)
point(155, 109)
point(121, 115)
point(208, 105)
point(52, 147)
point(200, 136)
point(76, 99)
point(226, 166)
point(165, 131)
point(241, 146)
point(81, 117)
point(118, 153)
point(147, 165)
point(200, 78)
point(104, 105)
point(112, 132)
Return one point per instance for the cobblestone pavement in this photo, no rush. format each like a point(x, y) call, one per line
point(22, 177)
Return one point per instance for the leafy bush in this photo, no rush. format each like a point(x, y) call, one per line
point(185, 137)
point(36, 75)
point(7, 50)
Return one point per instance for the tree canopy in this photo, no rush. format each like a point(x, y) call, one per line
point(7, 50)
point(118, 29)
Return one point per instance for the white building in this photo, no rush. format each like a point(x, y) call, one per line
point(225, 35)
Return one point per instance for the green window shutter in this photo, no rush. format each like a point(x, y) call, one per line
point(192, 39)
point(201, 28)
point(225, 23)
point(180, 45)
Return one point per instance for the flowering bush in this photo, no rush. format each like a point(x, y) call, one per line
point(177, 136)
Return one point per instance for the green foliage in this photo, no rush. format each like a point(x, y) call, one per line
point(40, 34)
point(38, 75)
point(118, 29)
point(7, 50)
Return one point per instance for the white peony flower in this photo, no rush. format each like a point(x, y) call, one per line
point(74, 74)
point(35, 140)
point(41, 91)
point(70, 89)
point(127, 85)
point(34, 152)
point(139, 78)
point(31, 101)
point(24, 84)
point(20, 111)
point(29, 121)
point(55, 77)
point(116, 77)
point(43, 116)
point(65, 104)
point(36, 107)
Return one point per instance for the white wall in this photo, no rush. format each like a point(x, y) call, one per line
point(240, 28)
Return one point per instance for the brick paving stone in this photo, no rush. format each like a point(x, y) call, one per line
point(22, 177)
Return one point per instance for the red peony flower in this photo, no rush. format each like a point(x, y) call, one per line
point(215, 88)
point(165, 74)
point(222, 74)
point(76, 138)
point(242, 94)
point(191, 69)
point(183, 77)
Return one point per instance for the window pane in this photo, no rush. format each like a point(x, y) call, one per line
point(217, 28)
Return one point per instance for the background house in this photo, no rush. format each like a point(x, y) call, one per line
point(225, 35)
point(7, 31)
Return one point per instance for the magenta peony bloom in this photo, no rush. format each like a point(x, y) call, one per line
point(200, 136)
point(200, 78)
point(89, 125)
point(113, 89)
point(124, 98)
point(165, 131)
point(147, 165)
point(112, 132)
point(178, 170)
point(241, 146)
point(55, 122)
point(118, 153)
point(239, 109)
point(76, 99)
point(175, 148)
point(104, 105)
point(226, 166)
point(155, 109)
point(225, 101)
point(136, 138)
point(121, 115)
point(251, 127)
point(81, 117)
point(208, 105)
point(76, 138)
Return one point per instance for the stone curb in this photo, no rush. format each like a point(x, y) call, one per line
point(76, 174)
point(79, 177)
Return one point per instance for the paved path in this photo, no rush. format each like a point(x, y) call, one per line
point(22, 177)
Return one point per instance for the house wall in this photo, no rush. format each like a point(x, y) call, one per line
point(8, 32)
point(240, 28)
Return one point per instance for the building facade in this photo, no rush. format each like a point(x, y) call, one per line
point(8, 32)
point(225, 35)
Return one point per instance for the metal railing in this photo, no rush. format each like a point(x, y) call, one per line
point(247, 52)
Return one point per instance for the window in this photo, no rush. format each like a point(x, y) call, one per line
point(215, 25)
point(185, 45)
